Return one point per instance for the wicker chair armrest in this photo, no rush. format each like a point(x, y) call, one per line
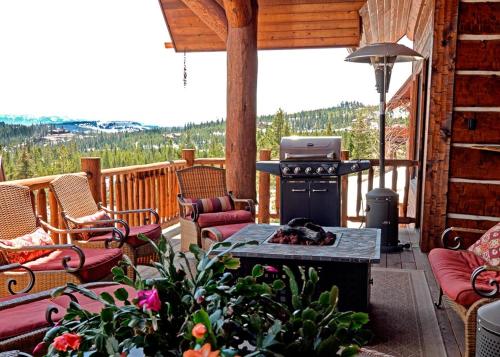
point(138, 210)
point(116, 236)
point(445, 236)
point(492, 282)
point(184, 208)
point(250, 204)
point(54, 247)
point(12, 281)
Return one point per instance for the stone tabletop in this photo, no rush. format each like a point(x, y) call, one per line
point(355, 245)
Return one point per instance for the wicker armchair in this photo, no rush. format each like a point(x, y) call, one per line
point(66, 262)
point(76, 200)
point(204, 182)
point(32, 315)
point(484, 287)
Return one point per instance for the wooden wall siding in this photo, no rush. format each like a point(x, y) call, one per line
point(477, 91)
point(437, 150)
point(479, 18)
point(474, 164)
point(472, 55)
point(282, 24)
point(487, 127)
point(474, 198)
point(423, 30)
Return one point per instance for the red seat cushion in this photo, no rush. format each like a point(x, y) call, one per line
point(453, 269)
point(152, 231)
point(224, 218)
point(30, 316)
point(98, 262)
point(221, 233)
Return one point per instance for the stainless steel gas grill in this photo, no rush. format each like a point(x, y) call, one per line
point(309, 168)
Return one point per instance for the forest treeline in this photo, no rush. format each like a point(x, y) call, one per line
point(27, 152)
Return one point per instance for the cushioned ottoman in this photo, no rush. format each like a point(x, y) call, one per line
point(211, 235)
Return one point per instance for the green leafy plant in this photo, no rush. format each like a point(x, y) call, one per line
point(200, 308)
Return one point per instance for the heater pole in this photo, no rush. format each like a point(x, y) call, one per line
point(382, 127)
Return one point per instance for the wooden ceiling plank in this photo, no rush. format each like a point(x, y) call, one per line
point(387, 20)
point(380, 20)
point(310, 16)
point(278, 35)
point(372, 11)
point(367, 31)
point(321, 7)
point(405, 18)
point(309, 43)
point(310, 25)
point(393, 15)
point(210, 12)
point(415, 10)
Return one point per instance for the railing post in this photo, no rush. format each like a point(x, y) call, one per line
point(264, 189)
point(2, 171)
point(92, 167)
point(344, 155)
point(189, 156)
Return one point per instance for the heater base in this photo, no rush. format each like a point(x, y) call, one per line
point(395, 248)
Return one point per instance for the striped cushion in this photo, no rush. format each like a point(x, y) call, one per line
point(211, 205)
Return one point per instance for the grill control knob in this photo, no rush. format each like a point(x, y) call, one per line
point(286, 170)
point(331, 170)
point(296, 170)
point(308, 170)
point(355, 167)
point(320, 170)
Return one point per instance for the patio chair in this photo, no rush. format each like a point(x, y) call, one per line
point(205, 204)
point(30, 316)
point(467, 280)
point(53, 264)
point(80, 210)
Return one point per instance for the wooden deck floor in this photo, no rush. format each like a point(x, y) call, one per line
point(451, 327)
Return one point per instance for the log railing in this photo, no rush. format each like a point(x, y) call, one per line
point(155, 186)
point(392, 166)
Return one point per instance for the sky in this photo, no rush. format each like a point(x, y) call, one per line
point(106, 60)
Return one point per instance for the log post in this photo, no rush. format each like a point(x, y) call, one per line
point(264, 189)
point(344, 155)
point(92, 167)
point(2, 171)
point(189, 155)
point(241, 143)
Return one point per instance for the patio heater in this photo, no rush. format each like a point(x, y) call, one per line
point(382, 203)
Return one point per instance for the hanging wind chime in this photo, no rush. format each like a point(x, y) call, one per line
point(185, 71)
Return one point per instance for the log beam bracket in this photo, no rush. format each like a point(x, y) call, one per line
point(211, 13)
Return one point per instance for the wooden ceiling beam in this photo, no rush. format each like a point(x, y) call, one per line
point(238, 12)
point(211, 13)
point(414, 13)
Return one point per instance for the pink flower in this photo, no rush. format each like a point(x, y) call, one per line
point(67, 340)
point(149, 299)
point(270, 269)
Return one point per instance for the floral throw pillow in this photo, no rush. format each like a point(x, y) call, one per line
point(98, 216)
point(38, 237)
point(211, 205)
point(488, 246)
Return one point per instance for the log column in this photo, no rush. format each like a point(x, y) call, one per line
point(92, 167)
point(241, 144)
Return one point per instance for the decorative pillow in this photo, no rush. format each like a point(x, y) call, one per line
point(210, 205)
point(488, 246)
point(98, 216)
point(38, 237)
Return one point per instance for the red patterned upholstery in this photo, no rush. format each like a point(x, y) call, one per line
point(152, 231)
point(210, 205)
point(98, 262)
point(98, 216)
point(38, 237)
point(224, 218)
point(30, 316)
point(221, 233)
point(453, 269)
point(488, 246)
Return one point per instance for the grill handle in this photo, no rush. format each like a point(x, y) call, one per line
point(299, 190)
point(321, 190)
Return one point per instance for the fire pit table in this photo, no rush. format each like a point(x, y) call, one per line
point(346, 264)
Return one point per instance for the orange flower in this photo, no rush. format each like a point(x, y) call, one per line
point(205, 351)
point(67, 340)
point(199, 330)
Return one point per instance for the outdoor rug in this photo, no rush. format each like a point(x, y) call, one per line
point(402, 314)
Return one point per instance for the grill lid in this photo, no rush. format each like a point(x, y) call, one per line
point(310, 148)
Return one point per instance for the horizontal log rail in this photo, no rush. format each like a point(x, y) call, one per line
point(155, 186)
